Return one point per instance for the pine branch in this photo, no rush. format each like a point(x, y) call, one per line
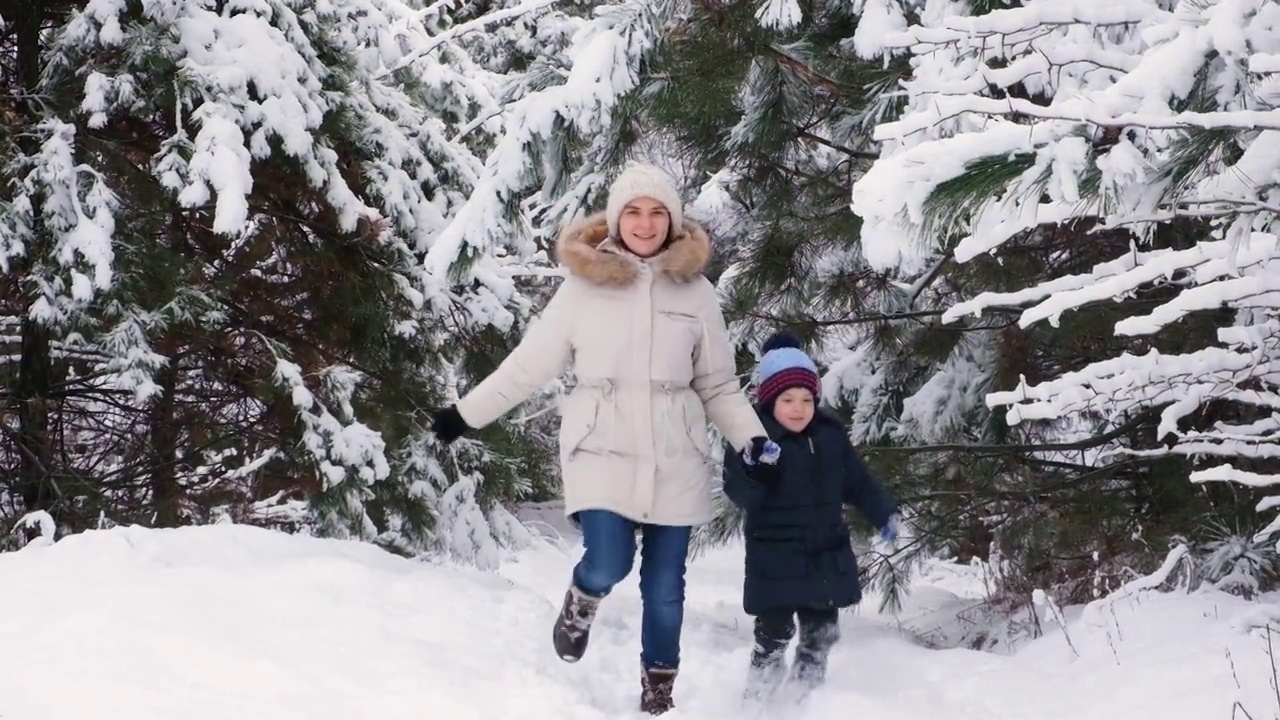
point(799, 67)
point(470, 26)
point(1238, 120)
point(878, 317)
point(987, 450)
point(1042, 493)
point(856, 154)
point(927, 279)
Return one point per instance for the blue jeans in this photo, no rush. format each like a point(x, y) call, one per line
point(610, 541)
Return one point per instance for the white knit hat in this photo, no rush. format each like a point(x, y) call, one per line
point(640, 180)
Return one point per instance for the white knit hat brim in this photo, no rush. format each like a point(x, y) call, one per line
point(639, 181)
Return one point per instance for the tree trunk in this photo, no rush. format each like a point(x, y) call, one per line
point(166, 495)
point(35, 367)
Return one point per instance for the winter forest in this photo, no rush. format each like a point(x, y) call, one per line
point(249, 246)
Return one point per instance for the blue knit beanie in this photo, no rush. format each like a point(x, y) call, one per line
point(783, 365)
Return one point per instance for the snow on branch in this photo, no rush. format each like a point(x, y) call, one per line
point(276, 125)
point(72, 202)
point(1072, 113)
point(1218, 272)
point(1157, 98)
point(1108, 119)
point(1031, 19)
point(606, 56)
point(469, 26)
point(261, 85)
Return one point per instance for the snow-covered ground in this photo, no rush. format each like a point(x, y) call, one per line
point(237, 622)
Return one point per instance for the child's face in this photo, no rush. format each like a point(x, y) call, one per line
point(794, 409)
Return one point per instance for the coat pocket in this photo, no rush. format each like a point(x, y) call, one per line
point(579, 418)
point(681, 316)
point(676, 337)
point(694, 421)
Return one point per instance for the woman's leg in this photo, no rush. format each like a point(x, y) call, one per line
point(663, 553)
point(610, 542)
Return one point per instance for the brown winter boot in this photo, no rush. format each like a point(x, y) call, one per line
point(573, 626)
point(657, 687)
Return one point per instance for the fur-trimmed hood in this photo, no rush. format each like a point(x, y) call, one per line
point(583, 249)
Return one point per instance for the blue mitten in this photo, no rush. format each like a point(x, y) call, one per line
point(889, 533)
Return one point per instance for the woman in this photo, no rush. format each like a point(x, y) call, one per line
point(642, 328)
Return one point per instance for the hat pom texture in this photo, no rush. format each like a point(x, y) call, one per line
point(781, 339)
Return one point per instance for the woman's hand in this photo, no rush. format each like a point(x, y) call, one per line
point(448, 424)
point(761, 459)
point(761, 450)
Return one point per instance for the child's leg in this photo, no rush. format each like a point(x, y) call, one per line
point(819, 632)
point(773, 632)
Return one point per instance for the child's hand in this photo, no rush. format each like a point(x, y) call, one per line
point(889, 533)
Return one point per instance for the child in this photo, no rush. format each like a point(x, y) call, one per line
point(799, 562)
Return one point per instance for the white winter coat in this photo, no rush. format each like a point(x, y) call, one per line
point(652, 361)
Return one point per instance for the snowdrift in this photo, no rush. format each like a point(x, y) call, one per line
point(238, 622)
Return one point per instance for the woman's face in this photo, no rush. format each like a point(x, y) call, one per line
point(644, 226)
point(794, 409)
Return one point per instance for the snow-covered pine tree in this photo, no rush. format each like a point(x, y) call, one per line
point(55, 222)
point(217, 217)
point(1104, 175)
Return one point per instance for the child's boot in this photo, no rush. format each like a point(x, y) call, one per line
point(764, 676)
point(773, 632)
point(817, 636)
point(809, 672)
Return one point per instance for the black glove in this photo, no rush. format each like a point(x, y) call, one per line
point(762, 450)
point(448, 424)
point(761, 459)
point(764, 474)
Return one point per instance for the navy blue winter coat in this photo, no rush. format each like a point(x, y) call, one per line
point(798, 548)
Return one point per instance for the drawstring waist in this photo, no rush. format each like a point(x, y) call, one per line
point(610, 385)
point(668, 390)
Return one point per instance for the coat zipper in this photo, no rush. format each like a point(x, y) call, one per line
point(826, 583)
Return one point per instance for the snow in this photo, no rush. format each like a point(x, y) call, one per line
point(1109, 101)
point(77, 206)
point(235, 621)
point(879, 19)
point(604, 57)
point(779, 15)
